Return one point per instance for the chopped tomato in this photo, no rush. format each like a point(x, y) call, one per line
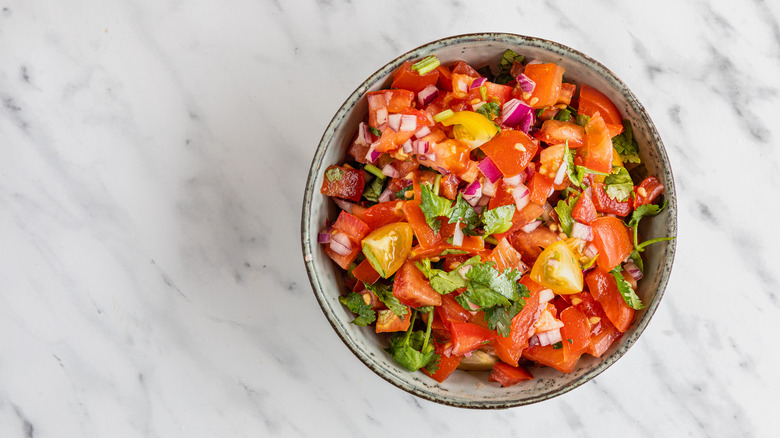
point(447, 364)
point(413, 289)
point(388, 247)
point(602, 332)
point(506, 257)
point(424, 234)
point(355, 230)
point(467, 337)
point(567, 92)
point(575, 332)
point(602, 340)
point(603, 203)
point(551, 357)
point(408, 79)
point(599, 144)
point(557, 268)
point(445, 78)
point(384, 102)
point(511, 151)
point(584, 211)
point(523, 217)
point(532, 244)
point(592, 101)
point(509, 348)
point(451, 311)
point(343, 182)
point(463, 68)
point(548, 79)
point(387, 321)
point(507, 375)
point(391, 139)
point(647, 191)
point(541, 187)
point(613, 241)
point(604, 289)
point(558, 132)
point(382, 214)
point(452, 155)
point(365, 272)
point(502, 93)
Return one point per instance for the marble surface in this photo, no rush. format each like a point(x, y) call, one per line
point(153, 156)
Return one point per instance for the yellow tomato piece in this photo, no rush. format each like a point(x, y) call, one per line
point(558, 269)
point(471, 128)
point(616, 161)
point(388, 247)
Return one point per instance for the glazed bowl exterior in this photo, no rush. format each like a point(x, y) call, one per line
point(469, 389)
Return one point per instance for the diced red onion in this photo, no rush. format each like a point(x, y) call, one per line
point(521, 195)
point(515, 112)
point(549, 337)
point(514, 181)
point(489, 169)
point(323, 237)
point(340, 243)
point(461, 86)
point(526, 84)
point(457, 236)
point(472, 193)
point(561, 173)
point(582, 231)
point(344, 205)
point(546, 218)
point(394, 121)
point(546, 295)
point(408, 122)
point(443, 171)
point(529, 172)
point(477, 105)
point(534, 61)
point(467, 354)
point(633, 270)
point(372, 154)
point(463, 271)
point(381, 116)
point(407, 147)
point(488, 187)
point(533, 341)
point(484, 200)
point(422, 132)
point(420, 147)
point(387, 195)
point(427, 95)
point(527, 228)
point(390, 171)
point(528, 121)
point(477, 83)
point(591, 250)
point(364, 135)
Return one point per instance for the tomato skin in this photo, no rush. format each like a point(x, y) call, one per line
point(365, 272)
point(613, 241)
point(382, 214)
point(387, 321)
point(410, 80)
point(603, 203)
point(502, 93)
point(541, 187)
point(592, 101)
point(426, 237)
point(652, 189)
point(567, 93)
point(599, 145)
point(577, 328)
point(509, 348)
point(445, 78)
point(584, 211)
point(548, 79)
point(604, 289)
point(452, 155)
point(447, 364)
point(551, 357)
point(349, 186)
point(511, 151)
point(558, 132)
point(451, 311)
point(467, 337)
point(508, 375)
point(532, 244)
point(413, 289)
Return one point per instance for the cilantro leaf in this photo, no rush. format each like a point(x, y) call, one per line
point(640, 212)
point(625, 289)
point(491, 110)
point(373, 191)
point(582, 119)
point(563, 115)
point(509, 58)
point(564, 209)
point(618, 184)
point(571, 171)
point(441, 281)
point(558, 345)
point(433, 206)
point(504, 283)
point(625, 144)
point(413, 349)
point(385, 294)
point(499, 219)
point(643, 245)
point(464, 213)
point(354, 302)
point(500, 318)
point(401, 194)
point(375, 131)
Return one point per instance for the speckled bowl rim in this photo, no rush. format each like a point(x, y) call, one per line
point(309, 245)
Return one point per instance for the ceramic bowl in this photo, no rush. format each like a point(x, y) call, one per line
point(467, 389)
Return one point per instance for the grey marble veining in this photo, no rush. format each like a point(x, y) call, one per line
point(152, 163)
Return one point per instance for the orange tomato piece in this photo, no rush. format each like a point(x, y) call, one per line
point(599, 144)
point(548, 79)
point(603, 288)
point(613, 241)
point(592, 101)
point(511, 151)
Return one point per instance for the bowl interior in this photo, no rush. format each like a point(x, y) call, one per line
point(467, 389)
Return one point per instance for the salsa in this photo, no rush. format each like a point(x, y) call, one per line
point(488, 218)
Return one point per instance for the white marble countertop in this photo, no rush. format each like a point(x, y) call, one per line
point(152, 163)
